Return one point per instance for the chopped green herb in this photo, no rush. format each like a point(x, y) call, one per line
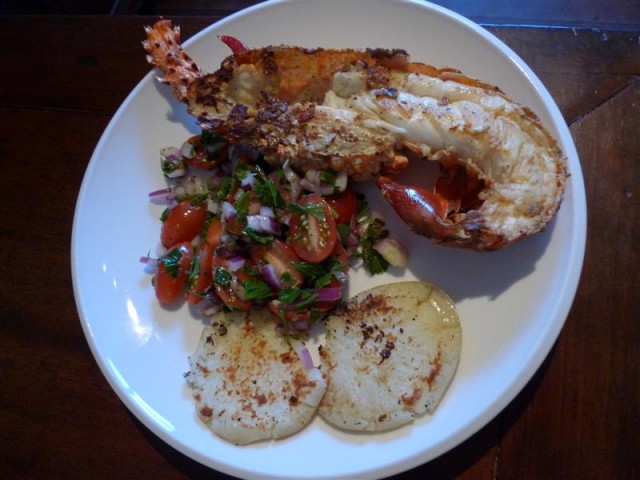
point(225, 189)
point(256, 237)
point(268, 193)
point(242, 204)
point(286, 278)
point(221, 277)
point(314, 209)
point(344, 231)
point(195, 270)
point(241, 171)
point(171, 261)
point(297, 297)
point(194, 198)
point(209, 138)
point(306, 299)
point(373, 261)
point(170, 167)
point(335, 267)
point(328, 177)
point(289, 294)
point(256, 289)
point(310, 270)
point(320, 274)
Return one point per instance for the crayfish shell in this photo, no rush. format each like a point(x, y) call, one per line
point(367, 113)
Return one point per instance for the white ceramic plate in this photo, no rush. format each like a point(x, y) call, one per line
point(512, 303)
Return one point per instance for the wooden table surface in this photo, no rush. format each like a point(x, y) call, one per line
point(63, 77)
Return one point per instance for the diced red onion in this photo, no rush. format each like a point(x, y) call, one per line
point(228, 210)
point(161, 250)
point(341, 276)
point(328, 294)
point(248, 181)
point(173, 165)
point(363, 223)
point(186, 150)
point(147, 260)
point(301, 325)
point(293, 180)
point(267, 211)
point(285, 218)
point(227, 247)
point(352, 240)
point(341, 181)
point(211, 309)
point(303, 353)
point(166, 192)
point(263, 224)
point(313, 176)
point(312, 187)
point(313, 183)
point(236, 263)
point(237, 287)
point(213, 206)
point(270, 275)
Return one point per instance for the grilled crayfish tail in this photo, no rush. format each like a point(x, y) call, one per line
point(362, 112)
point(165, 52)
point(427, 214)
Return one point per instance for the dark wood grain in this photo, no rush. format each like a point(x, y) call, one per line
point(611, 15)
point(63, 78)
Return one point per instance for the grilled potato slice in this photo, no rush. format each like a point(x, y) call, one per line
point(248, 382)
point(390, 354)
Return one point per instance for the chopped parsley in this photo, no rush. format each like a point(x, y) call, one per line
point(328, 177)
point(314, 209)
point(320, 274)
point(171, 261)
point(373, 261)
point(298, 298)
point(242, 204)
point(268, 193)
point(225, 189)
point(209, 138)
point(256, 289)
point(221, 277)
point(261, 238)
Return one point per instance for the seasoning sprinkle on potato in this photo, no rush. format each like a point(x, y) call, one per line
point(390, 354)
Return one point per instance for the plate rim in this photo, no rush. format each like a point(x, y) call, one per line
point(562, 305)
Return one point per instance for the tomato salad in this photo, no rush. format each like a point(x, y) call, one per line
point(237, 233)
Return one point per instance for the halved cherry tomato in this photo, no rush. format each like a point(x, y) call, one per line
point(183, 223)
point(344, 204)
point(313, 233)
point(202, 278)
point(215, 231)
point(203, 156)
point(172, 272)
point(225, 291)
point(282, 257)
